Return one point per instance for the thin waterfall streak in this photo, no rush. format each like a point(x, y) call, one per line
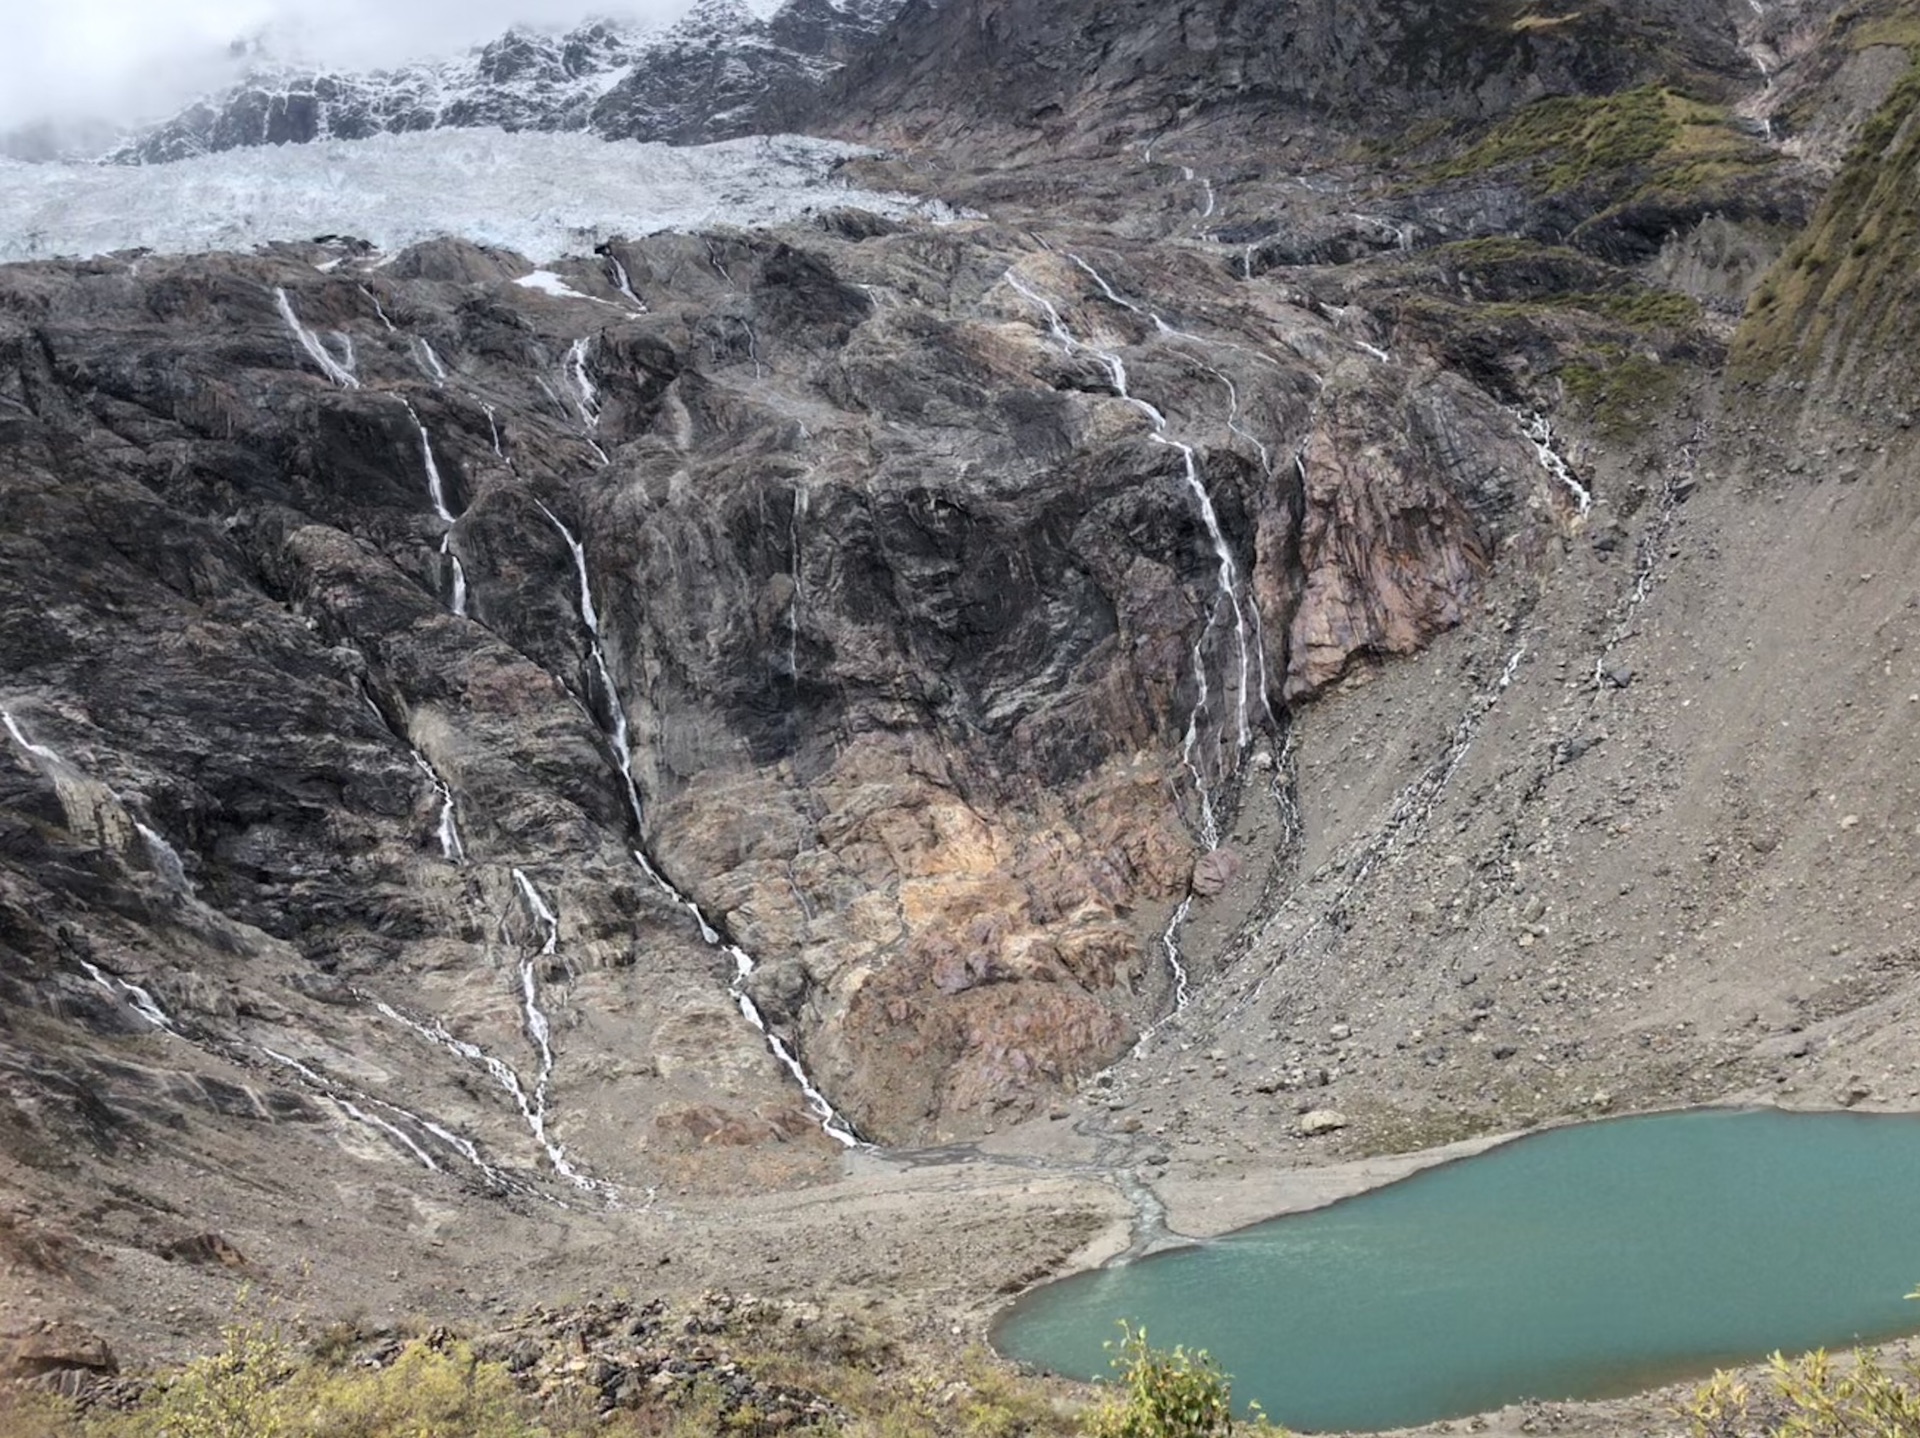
point(331, 1092)
point(164, 858)
point(310, 342)
point(542, 913)
point(436, 488)
point(831, 1123)
point(138, 998)
point(360, 1115)
point(588, 402)
point(1229, 582)
point(448, 831)
point(619, 738)
point(1170, 942)
point(1228, 571)
point(459, 577)
point(623, 284)
point(39, 751)
point(1538, 430)
point(430, 362)
point(377, 308)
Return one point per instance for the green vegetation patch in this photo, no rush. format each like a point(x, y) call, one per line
point(1642, 143)
point(1850, 282)
point(1622, 392)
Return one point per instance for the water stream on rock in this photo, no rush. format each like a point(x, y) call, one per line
point(623, 284)
point(1539, 432)
point(614, 725)
point(1248, 647)
point(333, 369)
point(437, 492)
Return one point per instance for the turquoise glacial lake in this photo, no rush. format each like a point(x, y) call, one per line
point(1583, 1262)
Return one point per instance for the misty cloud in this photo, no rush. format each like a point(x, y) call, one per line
point(126, 59)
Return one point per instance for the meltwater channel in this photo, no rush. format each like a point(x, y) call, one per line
point(1583, 1262)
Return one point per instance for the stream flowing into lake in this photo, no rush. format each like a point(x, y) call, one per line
point(1584, 1262)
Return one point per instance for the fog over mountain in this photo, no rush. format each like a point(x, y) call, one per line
point(121, 61)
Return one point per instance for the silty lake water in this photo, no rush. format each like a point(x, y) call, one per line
point(1583, 1262)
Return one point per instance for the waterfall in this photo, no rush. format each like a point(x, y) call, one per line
point(377, 308)
point(831, 1123)
point(141, 1001)
point(460, 1145)
point(162, 858)
point(1538, 430)
point(341, 375)
point(589, 400)
point(39, 751)
point(504, 1076)
point(449, 828)
point(1228, 580)
point(165, 859)
point(621, 282)
point(1170, 942)
point(436, 491)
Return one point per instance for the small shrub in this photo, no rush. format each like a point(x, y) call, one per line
point(1808, 1398)
point(237, 1392)
point(1165, 1394)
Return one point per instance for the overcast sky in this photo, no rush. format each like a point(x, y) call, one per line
point(121, 59)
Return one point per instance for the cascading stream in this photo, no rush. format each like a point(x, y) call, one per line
point(623, 284)
point(140, 999)
point(500, 1072)
point(615, 727)
point(344, 1099)
point(1228, 578)
point(333, 369)
point(589, 393)
point(430, 362)
point(448, 829)
point(1538, 430)
point(437, 492)
point(162, 858)
point(378, 308)
point(166, 861)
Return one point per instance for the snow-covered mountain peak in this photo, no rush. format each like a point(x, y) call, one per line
point(725, 68)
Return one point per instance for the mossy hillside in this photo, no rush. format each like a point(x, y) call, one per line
point(1618, 372)
point(1867, 23)
point(1847, 288)
point(1646, 145)
point(1524, 275)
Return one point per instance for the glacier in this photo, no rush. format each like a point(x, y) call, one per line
point(543, 195)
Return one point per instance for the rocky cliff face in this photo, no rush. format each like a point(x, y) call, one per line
point(1067, 72)
point(934, 587)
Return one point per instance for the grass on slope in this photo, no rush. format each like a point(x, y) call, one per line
point(1850, 283)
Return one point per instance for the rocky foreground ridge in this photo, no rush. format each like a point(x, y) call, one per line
point(1240, 650)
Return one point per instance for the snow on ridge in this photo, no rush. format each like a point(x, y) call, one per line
point(542, 194)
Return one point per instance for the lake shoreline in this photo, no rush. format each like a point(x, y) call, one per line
point(1199, 1208)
